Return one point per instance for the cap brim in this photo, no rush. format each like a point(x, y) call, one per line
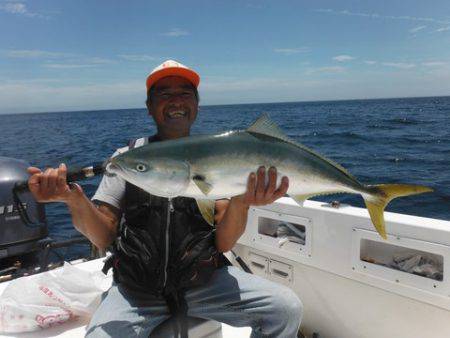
point(188, 74)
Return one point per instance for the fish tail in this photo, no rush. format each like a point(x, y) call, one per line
point(380, 195)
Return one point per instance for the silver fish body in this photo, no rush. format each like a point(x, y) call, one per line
point(224, 162)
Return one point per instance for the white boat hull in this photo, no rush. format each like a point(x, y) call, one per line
point(344, 296)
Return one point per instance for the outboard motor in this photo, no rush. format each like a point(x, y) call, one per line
point(21, 228)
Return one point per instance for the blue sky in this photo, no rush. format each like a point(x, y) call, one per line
point(87, 55)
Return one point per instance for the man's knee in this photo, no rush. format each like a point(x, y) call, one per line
point(288, 303)
point(115, 329)
point(95, 332)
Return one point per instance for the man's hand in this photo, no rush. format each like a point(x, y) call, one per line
point(51, 185)
point(232, 217)
point(97, 224)
point(258, 193)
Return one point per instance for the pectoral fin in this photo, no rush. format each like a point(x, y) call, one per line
point(207, 208)
point(202, 184)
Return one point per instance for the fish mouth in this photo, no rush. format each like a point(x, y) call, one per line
point(112, 168)
point(106, 170)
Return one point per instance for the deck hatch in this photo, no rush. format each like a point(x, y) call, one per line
point(285, 235)
point(409, 260)
point(406, 262)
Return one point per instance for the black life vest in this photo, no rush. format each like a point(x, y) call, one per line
point(164, 246)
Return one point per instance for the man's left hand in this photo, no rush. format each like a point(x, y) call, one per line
point(258, 193)
point(231, 217)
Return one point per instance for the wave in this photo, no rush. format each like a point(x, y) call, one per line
point(350, 135)
point(381, 126)
point(404, 121)
point(425, 163)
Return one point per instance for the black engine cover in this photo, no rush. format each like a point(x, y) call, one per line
point(16, 237)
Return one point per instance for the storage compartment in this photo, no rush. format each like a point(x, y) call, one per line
point(417, 262)
point(282, 230)
point(406, 262)
point(280, 272)
point(272, 269)
point(287, 233)
point(258, 264)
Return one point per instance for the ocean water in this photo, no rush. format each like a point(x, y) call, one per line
point(403, 140)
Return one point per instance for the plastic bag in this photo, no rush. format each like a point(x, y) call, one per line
point(50, 298)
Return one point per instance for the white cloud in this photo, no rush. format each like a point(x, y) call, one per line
point(65, 60)
point(80, 63)
point(290, 51)
point(218, 84)
point(378, 16)
point(176, 32)
point(98, 60)
point(67, 65)
point(370, 62)
point(327, 70)
point(14, 8)
point(34, 54)
point(401, 65)
point(434, 64)
point(137, 57)
point(416, 29)
point(443, 29)
point(18, 8)
point(343, 58)
point(320, 87)
point(35, 81)
point(29, 97)
point(255, 6)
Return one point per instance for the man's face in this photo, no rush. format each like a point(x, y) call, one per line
point(173, 105)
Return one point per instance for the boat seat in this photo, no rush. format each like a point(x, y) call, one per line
point(198, 328)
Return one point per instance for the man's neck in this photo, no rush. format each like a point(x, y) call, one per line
point(164, 136)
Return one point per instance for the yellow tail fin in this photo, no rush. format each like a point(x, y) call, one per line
point(381, 195)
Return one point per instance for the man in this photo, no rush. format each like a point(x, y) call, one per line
point(156, 235)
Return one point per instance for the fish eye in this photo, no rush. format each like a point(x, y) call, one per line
point(141, 167)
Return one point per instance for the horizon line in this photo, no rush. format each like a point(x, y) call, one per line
point(233, 104)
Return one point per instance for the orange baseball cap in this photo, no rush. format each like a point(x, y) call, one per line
point(172, 68)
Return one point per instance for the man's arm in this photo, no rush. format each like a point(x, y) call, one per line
point(231, 217)
point(99, 225)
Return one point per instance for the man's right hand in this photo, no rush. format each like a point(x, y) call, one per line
point(51, 185)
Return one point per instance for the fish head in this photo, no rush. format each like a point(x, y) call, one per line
point(165, 177)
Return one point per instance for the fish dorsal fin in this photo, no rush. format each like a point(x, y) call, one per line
point(265, 126)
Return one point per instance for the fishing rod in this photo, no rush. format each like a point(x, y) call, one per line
point(73, 175)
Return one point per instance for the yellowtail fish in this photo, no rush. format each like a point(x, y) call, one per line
point(210, 167)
